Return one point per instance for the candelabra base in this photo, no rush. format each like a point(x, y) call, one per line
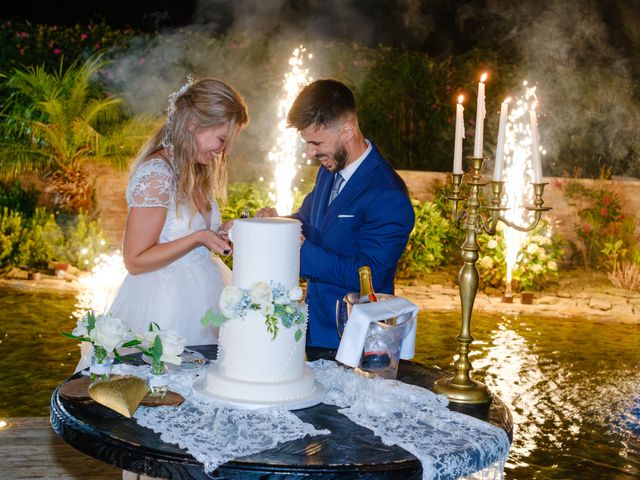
point(472, 393)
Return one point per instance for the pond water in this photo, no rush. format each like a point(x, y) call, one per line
point(573, 385)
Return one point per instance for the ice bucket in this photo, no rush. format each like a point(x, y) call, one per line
point(383, 341)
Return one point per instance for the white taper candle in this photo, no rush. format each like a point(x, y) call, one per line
point(535, 150)
point(480, 114)
point(457, 147)
point(502, 127)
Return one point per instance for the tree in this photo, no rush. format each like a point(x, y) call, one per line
point(56, 123)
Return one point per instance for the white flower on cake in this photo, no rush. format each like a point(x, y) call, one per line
point(295, 294)
point(260, 293)
point(231, 301)
point(278, 305)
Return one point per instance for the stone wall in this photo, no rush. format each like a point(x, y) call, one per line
point(111, 186)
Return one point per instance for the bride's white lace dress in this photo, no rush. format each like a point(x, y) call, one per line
point(177, 295)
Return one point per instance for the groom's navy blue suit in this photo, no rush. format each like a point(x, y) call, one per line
point(368, 223)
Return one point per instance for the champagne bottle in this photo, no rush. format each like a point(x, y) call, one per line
point(375, 357)
point(367, 293)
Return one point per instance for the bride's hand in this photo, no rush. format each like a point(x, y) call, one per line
point(214, 242)
point(223, 231)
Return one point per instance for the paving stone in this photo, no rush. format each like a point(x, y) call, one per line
point(600, 303)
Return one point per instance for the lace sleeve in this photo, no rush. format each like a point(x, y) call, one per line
point(151, 185)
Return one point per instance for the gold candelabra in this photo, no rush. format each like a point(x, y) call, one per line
point(461, 388)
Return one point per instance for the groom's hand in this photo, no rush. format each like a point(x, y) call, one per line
point(266, 212)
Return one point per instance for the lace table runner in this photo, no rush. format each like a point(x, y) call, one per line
point(449, 445)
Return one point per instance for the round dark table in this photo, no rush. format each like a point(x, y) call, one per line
point(349, 452)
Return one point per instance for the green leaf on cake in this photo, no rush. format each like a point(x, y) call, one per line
point(272, 325)
point(211, 318)
point(298, 335)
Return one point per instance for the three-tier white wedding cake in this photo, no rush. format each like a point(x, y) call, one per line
point(261, 349)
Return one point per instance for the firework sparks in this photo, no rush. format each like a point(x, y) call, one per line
point(285, 153)
point(518, 174)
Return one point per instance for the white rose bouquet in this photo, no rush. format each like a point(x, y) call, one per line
point(161, 346)
point(105, 332)
point(277, 304)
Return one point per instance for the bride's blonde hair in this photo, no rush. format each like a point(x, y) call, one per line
point(206, 104)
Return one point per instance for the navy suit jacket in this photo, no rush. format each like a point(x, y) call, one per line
point(368, 223)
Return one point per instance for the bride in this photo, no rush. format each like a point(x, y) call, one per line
point(173, 226)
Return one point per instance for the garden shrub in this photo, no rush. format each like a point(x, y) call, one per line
point(429, 241)
point(14, 197)
point(623, 265)
point(36, 241)
point(25, 43)
point(10, 233)
point(537, 261)
point(42, 241)
point(601, 222)
point(84, 241)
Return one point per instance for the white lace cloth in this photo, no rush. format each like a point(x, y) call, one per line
point(449, 445)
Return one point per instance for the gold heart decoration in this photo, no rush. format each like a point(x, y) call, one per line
point(122, 395)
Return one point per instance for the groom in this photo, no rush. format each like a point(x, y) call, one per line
point(358, 212)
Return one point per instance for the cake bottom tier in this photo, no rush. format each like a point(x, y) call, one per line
point(240, 391)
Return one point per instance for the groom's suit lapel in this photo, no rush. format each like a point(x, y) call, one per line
point(323, 190)
point(353, 188)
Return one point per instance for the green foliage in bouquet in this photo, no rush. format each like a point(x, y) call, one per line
point(537, 261)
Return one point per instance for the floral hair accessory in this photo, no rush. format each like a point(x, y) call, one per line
point(167, 143)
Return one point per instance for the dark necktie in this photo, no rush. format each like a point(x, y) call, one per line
point(335, 189)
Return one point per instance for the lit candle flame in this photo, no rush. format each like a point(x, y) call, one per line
point(483, 78)
point(460, 98)
point(507, 100)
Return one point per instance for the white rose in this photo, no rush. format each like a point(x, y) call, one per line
point(492, 243)
point(267, 308)
point(109, 332)
point(536, 268)
point(146, 339)
point(553, 266)
point(260, 293)
point(295, 294)
point(81, 328)
point(230, 301)
point(172, 346)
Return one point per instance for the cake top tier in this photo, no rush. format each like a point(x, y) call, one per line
point(266, 250)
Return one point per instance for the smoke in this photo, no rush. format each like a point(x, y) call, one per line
point(583, 57)
point(221, 43)
point(590, 114)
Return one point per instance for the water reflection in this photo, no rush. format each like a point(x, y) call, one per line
point(513, 370)
point(573, 387)
point(100, 287)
